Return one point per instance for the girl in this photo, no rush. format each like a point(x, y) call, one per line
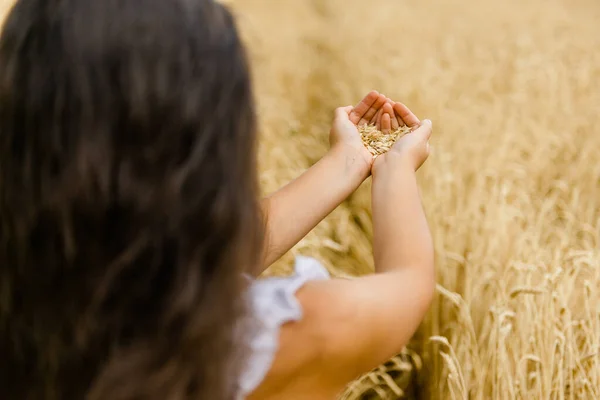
point(130, 220)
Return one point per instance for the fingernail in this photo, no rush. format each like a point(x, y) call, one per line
point(427, 121)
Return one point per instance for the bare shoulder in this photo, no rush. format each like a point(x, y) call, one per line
point(348, 327)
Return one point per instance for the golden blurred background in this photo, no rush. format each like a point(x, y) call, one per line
point(511, 190)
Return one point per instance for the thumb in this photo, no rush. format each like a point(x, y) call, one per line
point(343, 113)
point(424, 130)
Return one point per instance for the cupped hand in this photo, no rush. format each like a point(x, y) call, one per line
point(387, 115)
point(344, 131)
point(347, 119)
point(411, 149)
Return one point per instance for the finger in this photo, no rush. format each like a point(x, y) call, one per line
point(343, 113)
point(377, 119)
point(363, 106)
point(396, 120)
point(424, 130)
point(395, 124)
point(372, 112)
point(406, 115)
point(386, 123)
point(387, 109)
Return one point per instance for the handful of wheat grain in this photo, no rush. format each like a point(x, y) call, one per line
point(378, 142)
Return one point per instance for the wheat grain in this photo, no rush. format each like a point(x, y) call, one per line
point(378, 142)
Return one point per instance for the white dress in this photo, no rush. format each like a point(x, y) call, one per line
point(273, 303)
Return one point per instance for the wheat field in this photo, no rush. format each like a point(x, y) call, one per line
point(511, 190)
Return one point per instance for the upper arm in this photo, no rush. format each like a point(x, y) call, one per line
point(363, 322)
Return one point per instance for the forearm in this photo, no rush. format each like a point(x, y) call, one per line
point(297, 208)
point(401, 235)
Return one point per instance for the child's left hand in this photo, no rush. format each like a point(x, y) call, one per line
point(344, 133)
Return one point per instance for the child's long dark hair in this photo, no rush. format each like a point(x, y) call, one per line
point(128, 200)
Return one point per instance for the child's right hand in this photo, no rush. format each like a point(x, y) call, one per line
point(414, 146)
point(411, 149)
